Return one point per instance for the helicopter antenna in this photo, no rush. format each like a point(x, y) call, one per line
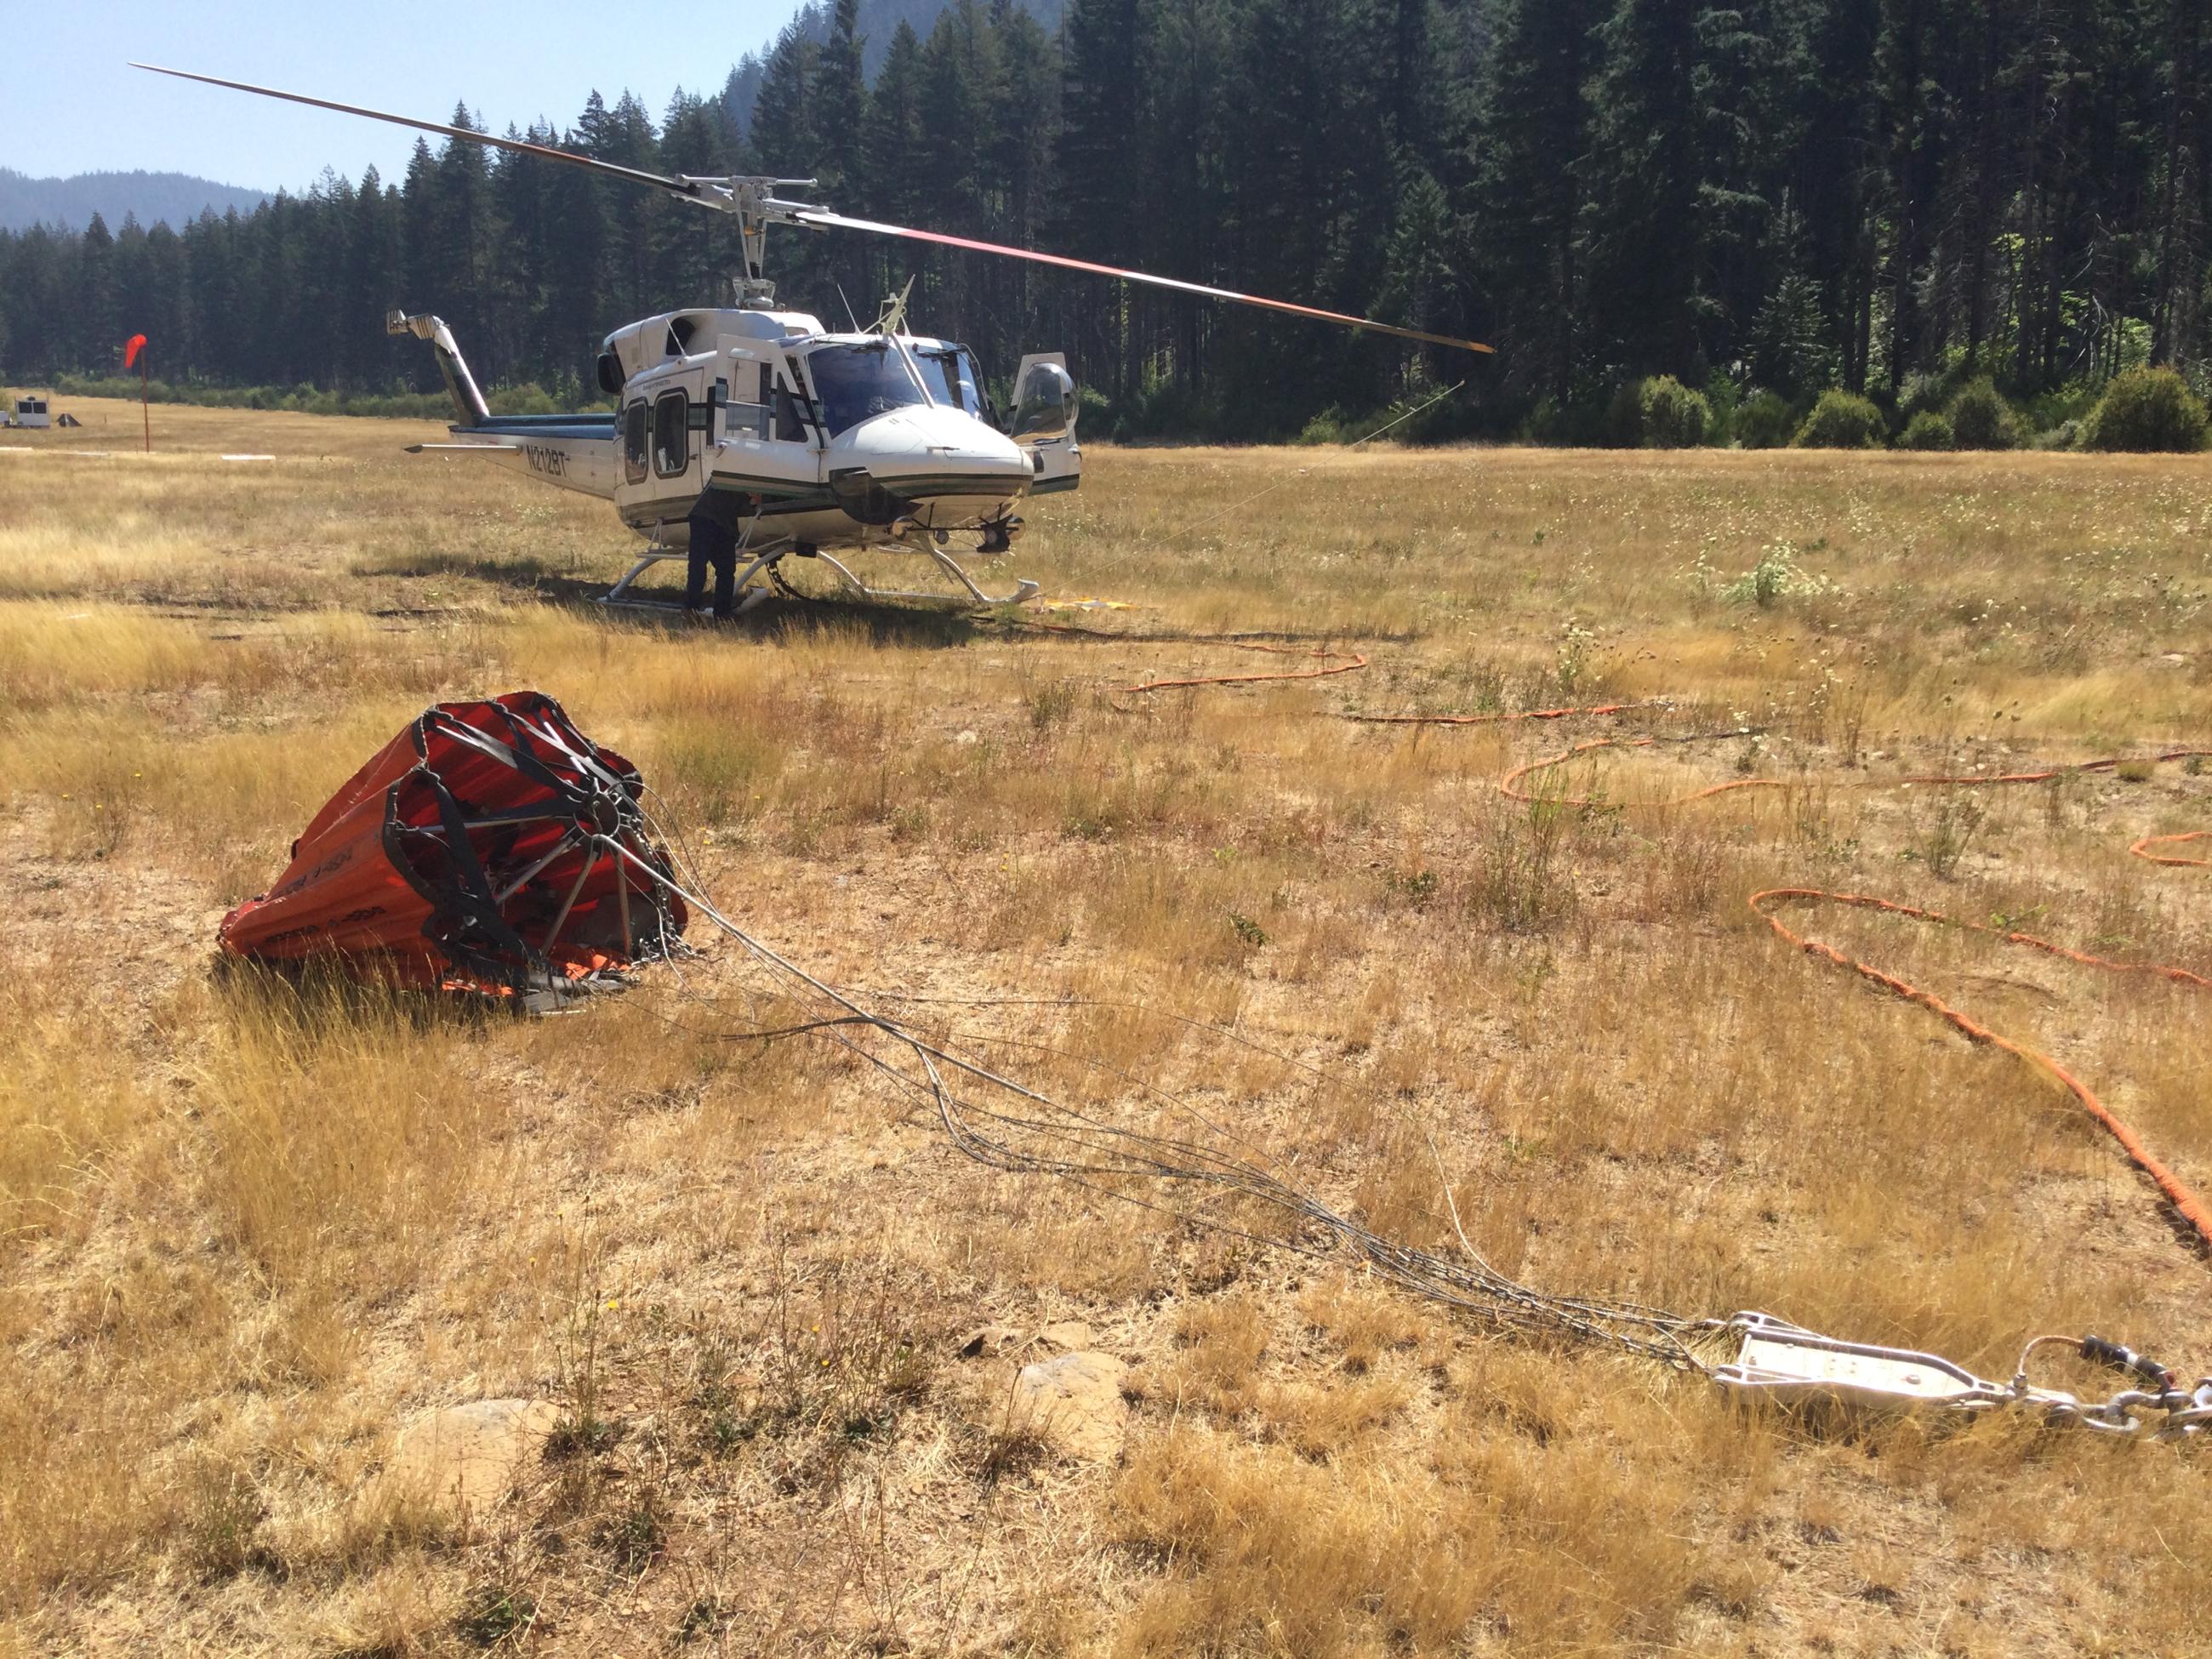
point(755, 204)
point(892, 318)
point(847, 303)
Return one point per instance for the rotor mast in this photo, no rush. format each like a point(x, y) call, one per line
point(751, 198)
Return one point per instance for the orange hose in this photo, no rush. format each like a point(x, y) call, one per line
point(1492, 719)
point(1505, 784)
point(1352, 661)
point(2191, 1208)
point(2110, 763)
point(2113, 762)
point(2142, 848)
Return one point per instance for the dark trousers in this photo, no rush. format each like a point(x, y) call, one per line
point(716, 544)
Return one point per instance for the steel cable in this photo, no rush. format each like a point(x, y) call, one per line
point(1034, 1134)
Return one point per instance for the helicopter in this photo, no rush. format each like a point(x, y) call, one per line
point(811, 442)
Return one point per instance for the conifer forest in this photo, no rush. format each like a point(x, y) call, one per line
point(1763, 200)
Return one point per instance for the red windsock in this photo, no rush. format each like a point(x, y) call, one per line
point(131, 347)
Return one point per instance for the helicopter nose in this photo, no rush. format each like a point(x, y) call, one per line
point(941, 449)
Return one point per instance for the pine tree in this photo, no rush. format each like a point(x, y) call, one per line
point(1744, 84)
point(786, 141)
point(783, 129)
point(841, 96)
point(841, 104)
point(369, 289)
point(1641, 171)
point(1788, 340)
point(580, 309)
point(1101, 103)
point(629, 217)
point(894, 160)
point(695, 254)
point(95, 337)
point(1525, 199)
point(1421, 286)
point(1836, 173)
point(420, 277)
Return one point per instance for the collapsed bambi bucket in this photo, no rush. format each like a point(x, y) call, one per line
point(489, 846)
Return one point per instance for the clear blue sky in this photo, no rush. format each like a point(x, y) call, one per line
point(72, 107)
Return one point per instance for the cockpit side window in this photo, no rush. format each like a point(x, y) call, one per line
point(789, 421)
point(954, 379)
point(972, 398)
point(937, 369)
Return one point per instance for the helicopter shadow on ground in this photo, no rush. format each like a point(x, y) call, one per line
point(657, 612)
point(887, 622)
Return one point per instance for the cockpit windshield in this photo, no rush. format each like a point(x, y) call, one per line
point(853, 382)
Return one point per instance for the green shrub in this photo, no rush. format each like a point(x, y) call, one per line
point(1722, 397)
point(1924, 391)
point(1981, 418)
point(1581, 424)
point(1841, 420)
point(1674, 416)
point(1332, 426)
point(2147, 408)
point(1658, 413)
point(2067, 435)
point(1927, 430)
point(2069, 404)
point(1765, 421)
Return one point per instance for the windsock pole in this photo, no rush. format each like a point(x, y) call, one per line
point(134, 351)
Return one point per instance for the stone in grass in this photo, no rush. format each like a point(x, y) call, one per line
point(465, 1459)
point(1073, 1403)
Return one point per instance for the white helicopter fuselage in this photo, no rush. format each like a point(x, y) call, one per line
point(826, 440)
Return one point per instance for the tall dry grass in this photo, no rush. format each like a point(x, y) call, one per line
point(251, 1231)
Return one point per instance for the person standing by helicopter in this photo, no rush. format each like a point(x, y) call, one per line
point(714, 527)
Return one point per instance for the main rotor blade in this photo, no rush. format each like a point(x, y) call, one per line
point(838, 221)
point(633, 175)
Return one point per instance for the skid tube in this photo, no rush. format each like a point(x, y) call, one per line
point(748, 593)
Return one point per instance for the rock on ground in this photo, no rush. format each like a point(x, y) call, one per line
point(1074, 1403)
point(467, 1458)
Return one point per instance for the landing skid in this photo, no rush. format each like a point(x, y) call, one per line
point(1024, 589)
point(749, 593)
point(767, 561)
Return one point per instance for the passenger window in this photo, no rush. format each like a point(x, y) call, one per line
point(672, 434)
point(634, 443)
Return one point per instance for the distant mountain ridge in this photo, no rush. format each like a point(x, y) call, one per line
point(177, 197)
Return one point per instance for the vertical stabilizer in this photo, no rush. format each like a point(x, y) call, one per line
point(469, 405)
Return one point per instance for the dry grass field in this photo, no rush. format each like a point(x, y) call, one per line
point(249, 1234)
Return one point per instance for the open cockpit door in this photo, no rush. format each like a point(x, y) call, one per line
point(1044, 421)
